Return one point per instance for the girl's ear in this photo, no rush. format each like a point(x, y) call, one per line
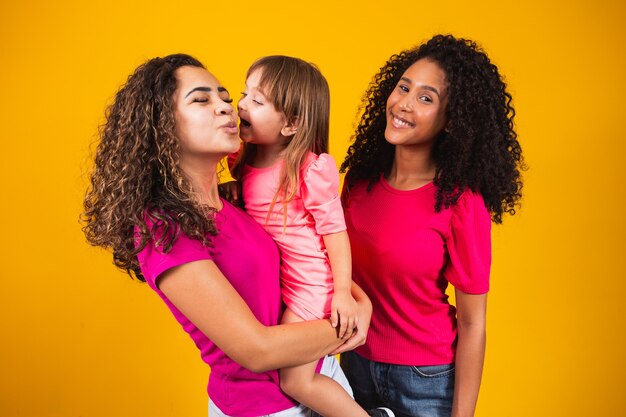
point(290, 128)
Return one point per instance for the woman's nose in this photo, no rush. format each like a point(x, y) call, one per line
point(224, 108)
point(406, 103)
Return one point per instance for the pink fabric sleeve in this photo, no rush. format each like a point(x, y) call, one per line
point(469, 245)
point(320, 195)
point(154, 262)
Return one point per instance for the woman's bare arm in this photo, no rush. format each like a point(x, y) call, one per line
point(470, 352)
point(202, 293)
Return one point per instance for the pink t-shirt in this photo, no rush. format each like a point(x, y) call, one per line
point(249, 259)
point(306, 278)
point(404, 254)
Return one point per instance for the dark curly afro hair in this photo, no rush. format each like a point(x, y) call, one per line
point(477, 150)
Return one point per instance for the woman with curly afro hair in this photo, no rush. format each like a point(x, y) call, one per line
point(435, 160)
point(154, 202)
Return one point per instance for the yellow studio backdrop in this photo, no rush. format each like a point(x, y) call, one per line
point(79, 338)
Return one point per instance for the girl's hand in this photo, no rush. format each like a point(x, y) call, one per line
point(364, 315)
point(231, 192)
point(343, 312)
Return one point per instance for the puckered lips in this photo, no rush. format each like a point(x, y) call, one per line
point(230, 127)
point(399, 122)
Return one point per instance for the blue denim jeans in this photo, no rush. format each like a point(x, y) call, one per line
point(416, 391)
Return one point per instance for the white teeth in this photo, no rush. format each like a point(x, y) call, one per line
point(401, 122)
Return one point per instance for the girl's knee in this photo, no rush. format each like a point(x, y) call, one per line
point(294, 385)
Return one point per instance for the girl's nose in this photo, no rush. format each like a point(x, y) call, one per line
point(241, 104)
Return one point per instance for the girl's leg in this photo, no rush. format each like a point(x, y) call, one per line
point(316, 391)
point(330, 368)
point(296, 411)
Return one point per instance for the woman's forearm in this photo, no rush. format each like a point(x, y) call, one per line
point(470, 351)
point(200, 291)
point(325, 342)
point(470, 355)
point(294, 344)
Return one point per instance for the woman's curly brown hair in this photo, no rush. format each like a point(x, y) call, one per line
point(136, 179)
point(477, 150)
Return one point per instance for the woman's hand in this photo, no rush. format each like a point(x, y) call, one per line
point(363, 316)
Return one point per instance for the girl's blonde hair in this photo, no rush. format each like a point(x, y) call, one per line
point(297, 89)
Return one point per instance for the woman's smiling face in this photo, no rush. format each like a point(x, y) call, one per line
point(416, 107)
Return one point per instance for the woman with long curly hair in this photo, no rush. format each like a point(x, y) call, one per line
point(154, 202)
point(435, 159)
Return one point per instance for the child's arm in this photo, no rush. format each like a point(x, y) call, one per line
point(343, 309)
point(231, 192)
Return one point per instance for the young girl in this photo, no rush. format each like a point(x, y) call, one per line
point(435, 159)
point(290, 186)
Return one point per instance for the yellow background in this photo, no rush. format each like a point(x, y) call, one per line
point(79, 338)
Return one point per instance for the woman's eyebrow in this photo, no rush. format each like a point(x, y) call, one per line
point(207, 89)
point(424, 86)
point(220, 89)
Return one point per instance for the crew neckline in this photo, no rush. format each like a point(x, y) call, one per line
point(394, 190)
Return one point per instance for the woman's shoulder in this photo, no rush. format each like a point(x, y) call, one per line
point(354, 186)
point(470, 200)
point(470, 211)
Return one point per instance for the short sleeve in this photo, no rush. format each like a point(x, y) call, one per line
point(469, 245)
point(153, 262)
point(320, 195)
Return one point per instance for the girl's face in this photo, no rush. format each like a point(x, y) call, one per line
point(416, 107)
point(260, 122)
point(206, 123)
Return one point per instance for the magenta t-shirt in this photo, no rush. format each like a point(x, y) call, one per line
point(249, 259)
point(404, 254)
